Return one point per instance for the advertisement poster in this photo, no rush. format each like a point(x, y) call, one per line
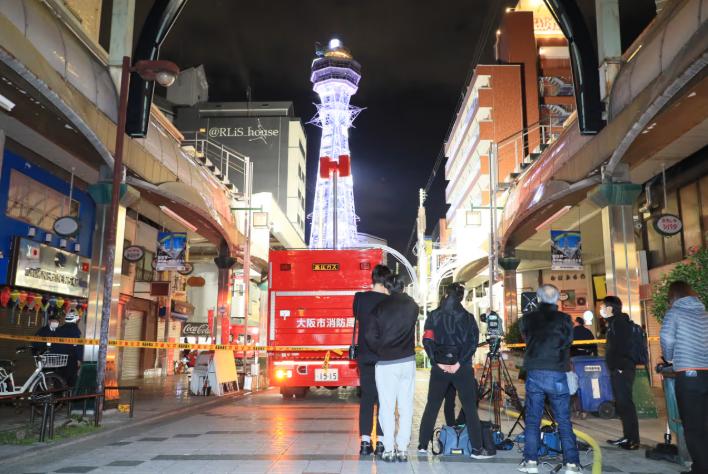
point(566, 252)
point(171, 251)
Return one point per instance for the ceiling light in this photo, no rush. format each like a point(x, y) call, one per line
point(178, 218)
point(6, 103)
point(692, 94)
point(560, 213)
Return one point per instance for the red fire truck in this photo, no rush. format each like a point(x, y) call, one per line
point(310, 306)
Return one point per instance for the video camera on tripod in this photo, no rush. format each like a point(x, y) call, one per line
point(495, 331)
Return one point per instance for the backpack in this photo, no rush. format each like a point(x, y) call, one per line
point(452, 441)
point(550, 442)
point(639, 352)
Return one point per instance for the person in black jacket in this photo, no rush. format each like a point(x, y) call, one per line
point(548, 334)
point(392, 338)
point(364, 304)
point(70, 329)
point(450, 339)
point(622, 370)
point(582, 333)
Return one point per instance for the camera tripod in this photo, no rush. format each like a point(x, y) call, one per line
point(495, 379)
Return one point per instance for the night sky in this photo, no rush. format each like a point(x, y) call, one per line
point(415, 58)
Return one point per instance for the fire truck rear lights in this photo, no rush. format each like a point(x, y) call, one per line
point(365, 266)
point(280, 374)
point(285, 267)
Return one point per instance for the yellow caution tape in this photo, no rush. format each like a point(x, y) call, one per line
point(168, 345)
point(576, 343)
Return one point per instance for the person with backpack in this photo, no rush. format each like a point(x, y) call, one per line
point(683, 336)
point(364, 304)
point(621, 358)
point(548, 334)
point(392, 337)
point(450, 339)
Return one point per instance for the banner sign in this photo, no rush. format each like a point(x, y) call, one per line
point(171, 251)
point(41, 267)
point(196, 330)
point(566, 253)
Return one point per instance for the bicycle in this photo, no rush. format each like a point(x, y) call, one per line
point(40, 381)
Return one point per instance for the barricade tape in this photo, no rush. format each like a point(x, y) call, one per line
point(228, 347)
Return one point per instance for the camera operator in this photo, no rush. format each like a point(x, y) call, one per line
point(684, 333)
point(450, 340)
point(548, 334)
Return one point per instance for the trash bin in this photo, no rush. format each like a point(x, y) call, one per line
point(594, 386)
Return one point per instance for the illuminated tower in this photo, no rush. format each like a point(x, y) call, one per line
point(335, 78)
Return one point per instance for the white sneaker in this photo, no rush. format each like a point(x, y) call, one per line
point(529, 466)
point(572, 468)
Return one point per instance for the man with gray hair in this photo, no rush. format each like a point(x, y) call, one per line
point(548, 334)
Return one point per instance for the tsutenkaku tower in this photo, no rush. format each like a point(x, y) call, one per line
point(335, 78)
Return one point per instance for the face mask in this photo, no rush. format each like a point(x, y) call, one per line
point(53, 326)
point(604, 313)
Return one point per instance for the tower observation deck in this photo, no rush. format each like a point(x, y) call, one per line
point(335, 78)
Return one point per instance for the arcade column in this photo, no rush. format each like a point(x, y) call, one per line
point(509, 263)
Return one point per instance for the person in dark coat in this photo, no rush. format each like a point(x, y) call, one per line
point(364, 303)
point(70, 329)
point(622, 369)
point(450, 339)
point(50, 330)
point(582, 333)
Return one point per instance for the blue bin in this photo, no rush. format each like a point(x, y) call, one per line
point(594, 386)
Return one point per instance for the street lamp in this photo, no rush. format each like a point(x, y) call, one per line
point(164, 73)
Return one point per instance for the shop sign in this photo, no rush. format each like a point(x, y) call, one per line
point(134, 253)
point(668, 224)
point(196, 330)
point(566, 250)
point(182, 307)
point(66, 226)
point(187, 270)
point(41, 267)
point(171, 251)
point(196, 281)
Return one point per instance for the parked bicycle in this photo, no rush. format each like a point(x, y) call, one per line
point(40, 381)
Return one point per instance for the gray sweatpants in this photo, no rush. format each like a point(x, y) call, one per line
point(396, 384)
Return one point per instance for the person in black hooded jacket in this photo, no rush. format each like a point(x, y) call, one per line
point(450, 339)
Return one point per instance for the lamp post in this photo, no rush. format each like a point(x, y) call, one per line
point(165, 73)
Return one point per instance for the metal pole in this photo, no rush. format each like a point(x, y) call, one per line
point(248, 168)
point(110, 242)
point(335, 242)
point(492, 220)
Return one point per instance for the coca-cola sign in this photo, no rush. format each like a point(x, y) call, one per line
point(195, 330)
point(668, 224)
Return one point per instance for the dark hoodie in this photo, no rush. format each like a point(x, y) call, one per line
point(452, 328)
point(392, 336)
point(618, 352)
point(549, 335)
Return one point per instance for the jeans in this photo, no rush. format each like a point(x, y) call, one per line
point(692, 398)
point(369, 399)
point(463, 380)
point(622, 383)
point(554, 385)
point(396, 385)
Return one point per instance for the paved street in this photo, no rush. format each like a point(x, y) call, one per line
point(262, 433)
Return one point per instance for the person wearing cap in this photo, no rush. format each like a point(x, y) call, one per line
point(70, 329)
point(618, 357)
point(582, 333)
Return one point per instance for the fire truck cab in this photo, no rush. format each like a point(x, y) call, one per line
point(310, 307)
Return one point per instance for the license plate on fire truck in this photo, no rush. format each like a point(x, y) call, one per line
point(326, 375)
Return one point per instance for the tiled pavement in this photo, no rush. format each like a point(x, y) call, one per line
point(264, 434)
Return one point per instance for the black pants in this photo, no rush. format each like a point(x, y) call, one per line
point(622, 383)
point(692, 398)
point(464, 382)
point(369, 398)
point(449, 408)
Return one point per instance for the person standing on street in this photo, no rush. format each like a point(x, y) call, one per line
point(50, 330)
point(392, 338)
point(582, 333)
point(622, 370)
point(364, 304)
point(548, 334)
point(683, 336)
point(70, 329)
point(450, 339)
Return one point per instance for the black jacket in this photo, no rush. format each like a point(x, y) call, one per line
point(392, 336)
point(364, 304)
point(75, 351)
point(548, 334)
point(452, 328)
point(581, 333)
point(619, 343)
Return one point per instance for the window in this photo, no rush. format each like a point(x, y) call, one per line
point(143, 268)
point(39, 205)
